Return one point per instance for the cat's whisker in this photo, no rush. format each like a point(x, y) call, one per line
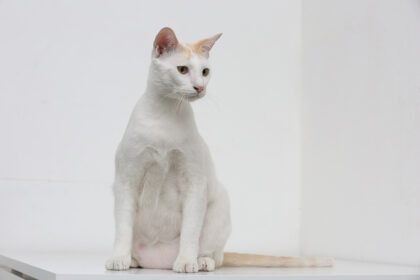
point(179, 104)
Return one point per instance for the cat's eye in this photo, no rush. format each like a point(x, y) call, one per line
point(206, 71)
point(183, 69)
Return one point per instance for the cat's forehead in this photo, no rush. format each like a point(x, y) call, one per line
point(187, 54)
point(191, 49)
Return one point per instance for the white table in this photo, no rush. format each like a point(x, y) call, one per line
point(84, 266)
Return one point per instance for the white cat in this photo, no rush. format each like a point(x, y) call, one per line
point(171, 212)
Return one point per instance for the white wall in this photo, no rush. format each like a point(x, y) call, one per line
point(361, 136)
point(70, 75)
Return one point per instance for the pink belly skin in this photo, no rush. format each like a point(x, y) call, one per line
point(159, 256)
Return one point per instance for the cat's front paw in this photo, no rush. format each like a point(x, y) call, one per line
point(118, 262)
point(183, 264)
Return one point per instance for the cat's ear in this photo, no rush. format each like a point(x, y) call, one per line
point(165, 41)
point(206, 44)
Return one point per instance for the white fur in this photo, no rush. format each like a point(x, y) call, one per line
point(169, 206)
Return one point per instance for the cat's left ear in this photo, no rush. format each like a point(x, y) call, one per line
point(165, 41)
point(206, 44)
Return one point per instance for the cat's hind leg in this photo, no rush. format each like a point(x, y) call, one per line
point(206, 264)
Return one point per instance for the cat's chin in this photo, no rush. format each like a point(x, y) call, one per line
point(194, 98)
point(189, 97)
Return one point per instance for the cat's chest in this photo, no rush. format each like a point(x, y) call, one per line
point(165, 177)
point(160, 204)
point(165, 132)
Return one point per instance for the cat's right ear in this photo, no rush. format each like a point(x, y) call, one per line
point(165, 41)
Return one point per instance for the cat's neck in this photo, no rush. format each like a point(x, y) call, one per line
point(160, 103)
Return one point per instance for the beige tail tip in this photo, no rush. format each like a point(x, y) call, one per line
point(237, 259)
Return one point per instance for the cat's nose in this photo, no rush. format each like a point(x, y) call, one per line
point(198, 89)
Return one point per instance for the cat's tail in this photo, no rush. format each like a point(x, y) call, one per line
point(238, 259)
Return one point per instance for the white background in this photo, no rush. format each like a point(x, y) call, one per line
point(312, 117)
point(361, 130)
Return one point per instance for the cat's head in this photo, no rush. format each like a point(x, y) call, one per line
point(180, 70)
